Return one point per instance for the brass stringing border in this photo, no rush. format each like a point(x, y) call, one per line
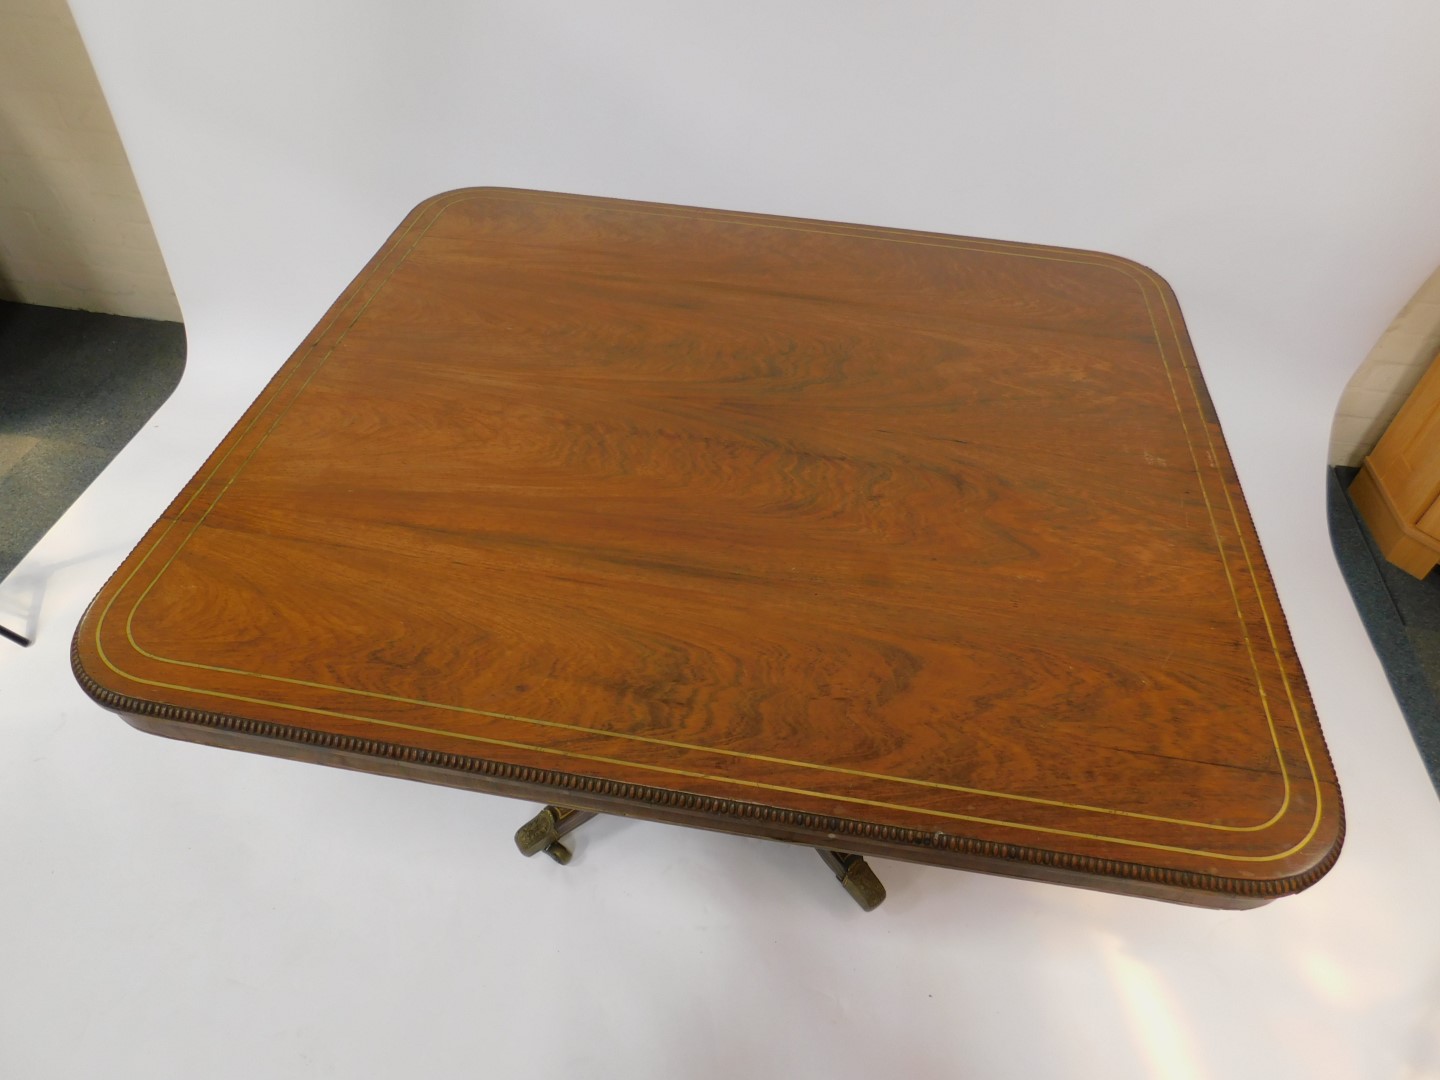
point(436, 208)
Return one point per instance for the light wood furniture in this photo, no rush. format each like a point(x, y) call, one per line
point(883, 542)
point(1397, 490)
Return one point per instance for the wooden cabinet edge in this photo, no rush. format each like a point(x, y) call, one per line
point(1399, 541)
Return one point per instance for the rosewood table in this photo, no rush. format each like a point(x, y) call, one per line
point(888, 543)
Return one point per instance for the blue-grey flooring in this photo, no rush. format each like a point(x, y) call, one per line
point(1402, 616)
point(75, 387)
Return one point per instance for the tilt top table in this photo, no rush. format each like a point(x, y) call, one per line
point(887, 543)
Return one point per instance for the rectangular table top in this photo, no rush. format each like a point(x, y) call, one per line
point(898, 543)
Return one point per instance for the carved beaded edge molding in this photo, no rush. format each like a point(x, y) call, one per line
point(707, 804)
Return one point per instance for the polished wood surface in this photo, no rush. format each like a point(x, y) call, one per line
point(905, 544)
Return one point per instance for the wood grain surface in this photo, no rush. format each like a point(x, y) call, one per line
point(774, 526)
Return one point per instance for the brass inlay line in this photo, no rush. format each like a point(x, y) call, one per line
point(692, 774)
point(995, 247)
point(1225, 561)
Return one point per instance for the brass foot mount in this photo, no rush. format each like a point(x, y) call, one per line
point(855, 877)
point(544, 830)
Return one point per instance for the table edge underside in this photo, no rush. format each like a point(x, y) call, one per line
point(702, 811)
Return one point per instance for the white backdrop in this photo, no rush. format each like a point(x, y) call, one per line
point(172, 911)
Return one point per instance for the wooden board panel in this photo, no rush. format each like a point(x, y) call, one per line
point(1405, 463)
point(774, 526)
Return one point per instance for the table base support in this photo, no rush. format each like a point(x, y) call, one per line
point(544, 831)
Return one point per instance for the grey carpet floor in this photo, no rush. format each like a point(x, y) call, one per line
point(1401, 615)
point(75, 387)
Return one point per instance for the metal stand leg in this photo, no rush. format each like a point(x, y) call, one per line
point(855, 875)
point(19, 639)
point(544, 830)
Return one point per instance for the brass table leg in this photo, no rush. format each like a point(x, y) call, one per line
point(855, 875)
point(544, 830)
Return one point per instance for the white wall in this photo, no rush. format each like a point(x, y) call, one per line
point(73, 228)
point(1389, 372)
point(185, 912)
